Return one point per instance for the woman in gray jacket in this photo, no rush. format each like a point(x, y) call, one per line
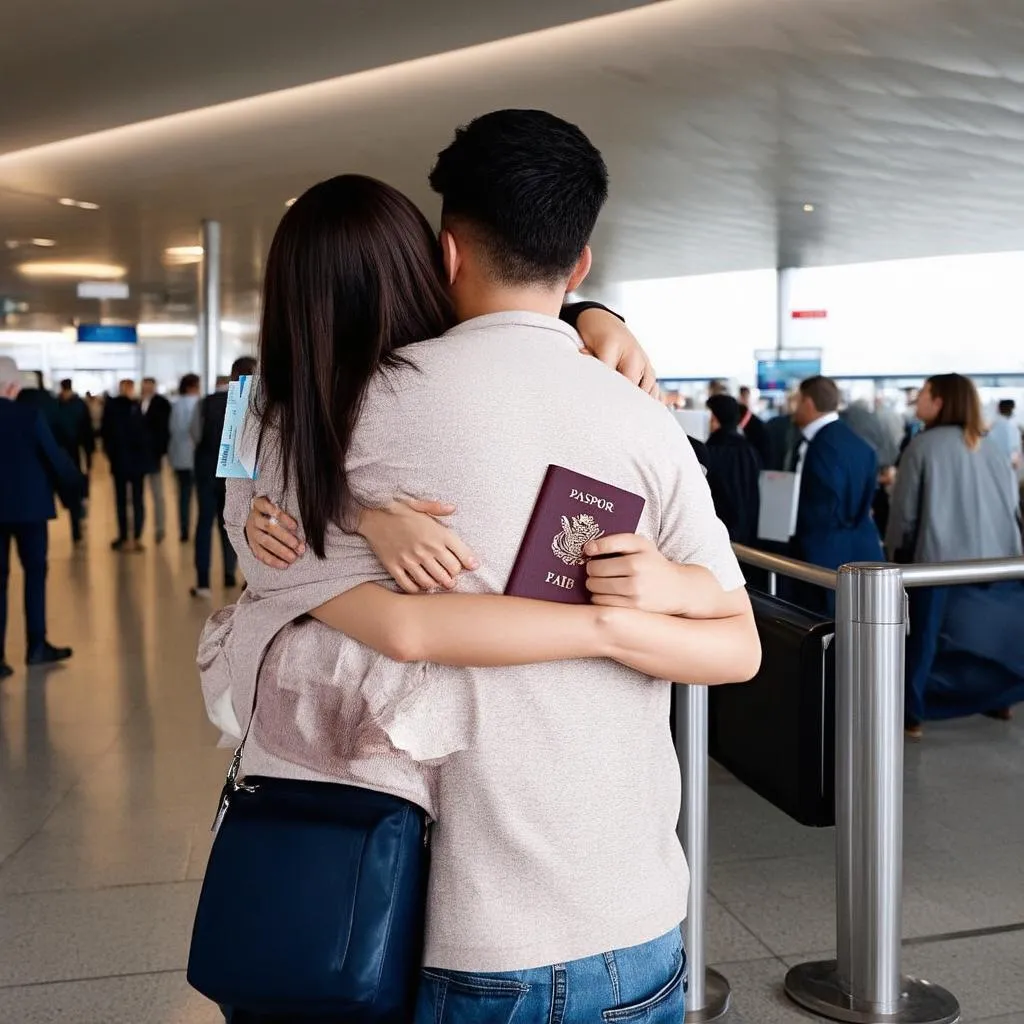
point(955, 499)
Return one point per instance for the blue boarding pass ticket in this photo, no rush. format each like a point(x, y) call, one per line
point(230, 464)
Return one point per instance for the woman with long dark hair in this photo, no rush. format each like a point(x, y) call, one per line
point(955, 499)
point(354, 278)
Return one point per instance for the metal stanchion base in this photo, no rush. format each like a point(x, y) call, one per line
point(716, 999)
point(816, 987)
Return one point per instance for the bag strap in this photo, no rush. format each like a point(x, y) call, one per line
point(236, 759)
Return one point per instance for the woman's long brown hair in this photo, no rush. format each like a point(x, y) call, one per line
point(354, 274)
point(961, 406)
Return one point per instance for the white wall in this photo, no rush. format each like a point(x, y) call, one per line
point(58, 355)
point(960, 314)
point(99, 367)
point(706, 326)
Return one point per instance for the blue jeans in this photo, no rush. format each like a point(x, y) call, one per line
point(645, 983)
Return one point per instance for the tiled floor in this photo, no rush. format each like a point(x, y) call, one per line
point(109, 776)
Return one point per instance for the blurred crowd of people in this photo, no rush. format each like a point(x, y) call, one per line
point(50, 443)
point(936, 484)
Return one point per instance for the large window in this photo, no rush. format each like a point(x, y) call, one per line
point(956, 313)
point(706, 326)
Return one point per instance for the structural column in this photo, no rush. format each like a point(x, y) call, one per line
point(209, 323)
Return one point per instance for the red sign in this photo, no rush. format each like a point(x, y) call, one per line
point(809, 314)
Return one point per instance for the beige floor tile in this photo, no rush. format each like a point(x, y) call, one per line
point(135, 999)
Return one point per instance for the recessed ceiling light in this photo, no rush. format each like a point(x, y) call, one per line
point(172, 329)
point(808, 207)
point(42, 243)
point(183, 255)
point(81, 204)
point(290, 202)
point(166, 330)
point(84, 271)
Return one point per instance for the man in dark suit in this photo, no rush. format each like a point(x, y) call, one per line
point(211, 490)
point(754, 428)
point(127, 447)
point(30, 462)
point(156, 413)
point(74, 434)
point(734, 470)
point(783, 436)
point(838, 477)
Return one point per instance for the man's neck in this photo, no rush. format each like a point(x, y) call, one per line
point(818, 422)
point(508, 300)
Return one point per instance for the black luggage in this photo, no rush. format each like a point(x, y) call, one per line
point(777, 733)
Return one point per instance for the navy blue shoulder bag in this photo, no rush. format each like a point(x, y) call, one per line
point(313, 903)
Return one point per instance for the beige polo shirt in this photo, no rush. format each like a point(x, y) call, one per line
point(556, 836)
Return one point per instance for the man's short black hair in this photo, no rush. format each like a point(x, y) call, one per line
point(65, 384)
point(823, 392)
point(243, 366)
point(1007, 407)
point(529, 186)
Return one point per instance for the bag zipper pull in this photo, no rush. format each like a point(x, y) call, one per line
point(222, 809)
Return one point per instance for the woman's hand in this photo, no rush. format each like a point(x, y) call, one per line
point(419, 553)
point(608, 339)
point(272, 535)
point(633, 573)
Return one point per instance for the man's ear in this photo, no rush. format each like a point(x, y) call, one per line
point(580, 271)
point(451, 254)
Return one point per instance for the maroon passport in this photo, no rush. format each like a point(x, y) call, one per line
point(571, 510)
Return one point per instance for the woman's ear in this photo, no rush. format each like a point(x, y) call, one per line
point(451, 255)
point(580, 271)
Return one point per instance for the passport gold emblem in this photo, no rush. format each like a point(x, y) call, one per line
point(576, 534)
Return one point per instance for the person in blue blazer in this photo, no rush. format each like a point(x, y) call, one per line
point(32, 464)
point(838, 478)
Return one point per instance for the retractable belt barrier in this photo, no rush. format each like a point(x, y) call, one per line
point(864, 983)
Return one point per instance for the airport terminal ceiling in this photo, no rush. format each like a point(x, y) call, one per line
point(900, 123)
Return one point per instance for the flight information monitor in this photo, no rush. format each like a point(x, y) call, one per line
point(784, 374)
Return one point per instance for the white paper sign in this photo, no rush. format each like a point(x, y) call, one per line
point(780, 501)
point(696, 422)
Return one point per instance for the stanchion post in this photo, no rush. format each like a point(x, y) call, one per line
point(864, 984)
point(708, 995)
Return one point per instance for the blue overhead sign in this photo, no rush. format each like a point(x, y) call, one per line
point(108, 334)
